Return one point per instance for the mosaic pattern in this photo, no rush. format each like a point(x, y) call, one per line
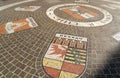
point(66, 56)
point(79, 12)
point(105, 20)
point(15, 26)
point(27, 8)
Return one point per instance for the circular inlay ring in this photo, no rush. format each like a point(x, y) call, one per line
point(105, 20)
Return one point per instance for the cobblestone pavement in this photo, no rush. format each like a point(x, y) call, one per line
point(21, 53)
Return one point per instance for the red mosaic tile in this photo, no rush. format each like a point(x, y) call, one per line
point(52, 72)
point(73, 68)
point(56, 52)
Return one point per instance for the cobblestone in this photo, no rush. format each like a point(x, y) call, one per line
point(21, 53)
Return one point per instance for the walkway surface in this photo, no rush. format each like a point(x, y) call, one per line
point(59, 39)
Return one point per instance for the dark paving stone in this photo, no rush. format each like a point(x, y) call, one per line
point(17, 71)
point(2, 68)
point(22, 74)
point(117, 76)
point(27, 69)
point(28, 76)
point(107, 71)
point(35, 77)
point(9, 75)
point(5, 71)
point(20, 65)
point(113, 71)
point(41, 73)
point(12, 68)
point(110, 76)
point(2, 77)
point(100, 76)
point(32, 71)
point(15, 76)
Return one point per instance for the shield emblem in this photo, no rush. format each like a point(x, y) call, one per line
point(15, 26)
point(79, 12)
point(66, 56)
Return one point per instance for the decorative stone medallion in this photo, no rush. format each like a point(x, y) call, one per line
point(66, 56)
point(81, 12)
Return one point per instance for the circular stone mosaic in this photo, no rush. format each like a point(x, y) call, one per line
point(80, 12)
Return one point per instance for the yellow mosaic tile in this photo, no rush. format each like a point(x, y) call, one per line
point(52, 63)
point(67, 75)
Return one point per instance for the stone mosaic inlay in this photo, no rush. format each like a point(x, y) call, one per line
point(80, 12)
point(15, 26)
point(66, 56)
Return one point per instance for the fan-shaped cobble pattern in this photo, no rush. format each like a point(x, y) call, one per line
point(21, 53)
